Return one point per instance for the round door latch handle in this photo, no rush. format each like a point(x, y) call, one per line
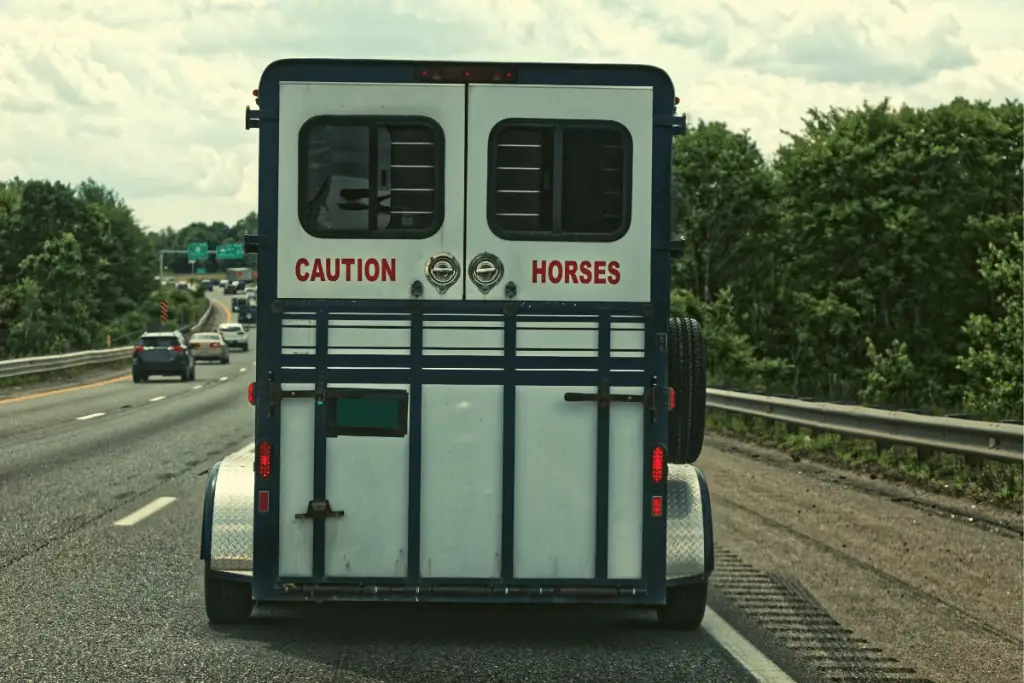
point(486, 271)
point(442, 271)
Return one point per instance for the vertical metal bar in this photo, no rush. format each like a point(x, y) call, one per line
point(415, 442)
point(508, 453)
point(320, 444)
point(372, 179)
point(604, 352)
point(557, 179)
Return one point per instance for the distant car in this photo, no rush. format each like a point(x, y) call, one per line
point(183, 285)
point(237, 301)
point(210, 346)
point(163, 353)
point(234, 336)
point(247, 314)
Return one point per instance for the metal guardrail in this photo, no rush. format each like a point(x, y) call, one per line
point(997, 441)
point(18, 367)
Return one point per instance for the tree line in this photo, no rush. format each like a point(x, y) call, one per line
point(76, 270)
point(875, 258)
point(174, 242)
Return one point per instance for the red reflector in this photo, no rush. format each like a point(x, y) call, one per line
point(252, 393)
point(671, 399)
point(263, 459)
point(657, 464)
point(264, 501)
point(656, 506)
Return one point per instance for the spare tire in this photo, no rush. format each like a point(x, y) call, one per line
point(687, 375)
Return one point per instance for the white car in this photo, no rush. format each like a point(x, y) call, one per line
point(234, 336)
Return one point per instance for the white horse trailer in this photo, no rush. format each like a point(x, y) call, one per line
point(469, 386)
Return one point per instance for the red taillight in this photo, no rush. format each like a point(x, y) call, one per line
point(656, 506)
point(263, 459)
point(264, 501)
point(138, 349)
point(252, 393)
point(657, 464)
point(178, 349)
point(215, 345)
point(671, 399)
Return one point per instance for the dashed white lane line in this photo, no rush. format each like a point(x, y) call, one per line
point(197, 387)
point(223, 379)
point(157, 398)
point(90, 416)
point(241, 369)
point(743, 651)
point(145, 511)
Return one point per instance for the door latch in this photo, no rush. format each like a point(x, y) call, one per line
point(319, 509)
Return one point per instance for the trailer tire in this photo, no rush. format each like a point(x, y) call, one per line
point(227, 602)
point(685, 606)
point(687, 375)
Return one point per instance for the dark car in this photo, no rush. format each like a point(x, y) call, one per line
point(163, 353)
point(247, 313)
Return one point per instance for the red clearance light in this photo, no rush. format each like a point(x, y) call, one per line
point(671, 399)
point(656, 506)
point(657, 464)
point(264, 501)
point(460, 73)
point(263, 459)
point(252, 393)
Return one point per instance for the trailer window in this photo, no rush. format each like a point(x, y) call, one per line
point(559, 181)
point(371, 177)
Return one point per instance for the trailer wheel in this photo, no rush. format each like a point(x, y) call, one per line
point(684, 609)
point(687, 375)
point(227, 602)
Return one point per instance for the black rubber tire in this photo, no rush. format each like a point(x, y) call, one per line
point(685, 606)
point(687, 375)
point(245, 348)
point(227, 602)
point(191, 374)
point(136, 378)
point(225, 361)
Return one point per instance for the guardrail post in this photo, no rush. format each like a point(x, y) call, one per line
point(924, 454)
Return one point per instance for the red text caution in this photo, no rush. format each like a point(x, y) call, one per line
point(346, 269)
point(577, 272)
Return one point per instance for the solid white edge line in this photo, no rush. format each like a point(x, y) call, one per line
point(90, 416)
point(157, 398)
point(742, 650)
point(145, 511)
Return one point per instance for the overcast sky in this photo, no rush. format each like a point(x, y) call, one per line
point(148, 95)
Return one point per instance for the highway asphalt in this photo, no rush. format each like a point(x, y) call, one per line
point(83, 598)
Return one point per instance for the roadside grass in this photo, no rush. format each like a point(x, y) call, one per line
point(983, 481)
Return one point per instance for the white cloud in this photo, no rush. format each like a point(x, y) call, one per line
point(148, 96)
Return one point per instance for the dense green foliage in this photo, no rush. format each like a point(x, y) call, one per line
point(876, 258)
point(75, 268)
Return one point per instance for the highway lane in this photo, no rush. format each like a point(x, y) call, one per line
point(82, 599)
point(27, 415)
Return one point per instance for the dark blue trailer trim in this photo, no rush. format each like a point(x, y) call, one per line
point(320, 443)
point(272, 363)
point(508, 448)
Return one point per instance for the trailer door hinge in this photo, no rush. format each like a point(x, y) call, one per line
point(676, 123)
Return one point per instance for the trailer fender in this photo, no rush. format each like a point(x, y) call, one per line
point(228, 513)
point(689, 537)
